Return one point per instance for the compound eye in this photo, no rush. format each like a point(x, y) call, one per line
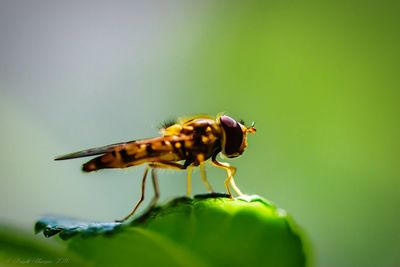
point(233, 136)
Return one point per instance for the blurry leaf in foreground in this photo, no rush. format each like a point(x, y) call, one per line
point(69, 227)
point(204, 231)
point(18, 248)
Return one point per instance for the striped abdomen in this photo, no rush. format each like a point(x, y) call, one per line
point(160, 149)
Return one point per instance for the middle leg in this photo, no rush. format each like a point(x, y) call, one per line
point(204, 178)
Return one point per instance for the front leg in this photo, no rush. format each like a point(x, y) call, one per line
point(230, 170)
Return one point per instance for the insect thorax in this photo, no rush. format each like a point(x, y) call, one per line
point(205, 140)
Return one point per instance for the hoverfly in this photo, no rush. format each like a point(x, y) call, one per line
point(182, 145)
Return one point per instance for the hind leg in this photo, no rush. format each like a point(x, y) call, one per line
point(141, 197)
point(174, 166)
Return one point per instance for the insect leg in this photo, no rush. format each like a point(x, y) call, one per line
point(156, 188)
point(167, 165)
point(230, 170)
point(200, 159)
point(174, 166)
point(189, 176)
point(204, 178)
point(141, 197)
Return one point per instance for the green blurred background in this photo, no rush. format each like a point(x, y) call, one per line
point(321, 80)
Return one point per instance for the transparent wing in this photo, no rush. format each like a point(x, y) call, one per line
point(92, 151)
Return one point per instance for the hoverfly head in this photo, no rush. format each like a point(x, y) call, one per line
point(234, 136)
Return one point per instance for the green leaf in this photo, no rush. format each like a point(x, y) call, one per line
point(18, 248)
point(209, 230)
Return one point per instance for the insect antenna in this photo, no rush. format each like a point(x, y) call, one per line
point(252, 129)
